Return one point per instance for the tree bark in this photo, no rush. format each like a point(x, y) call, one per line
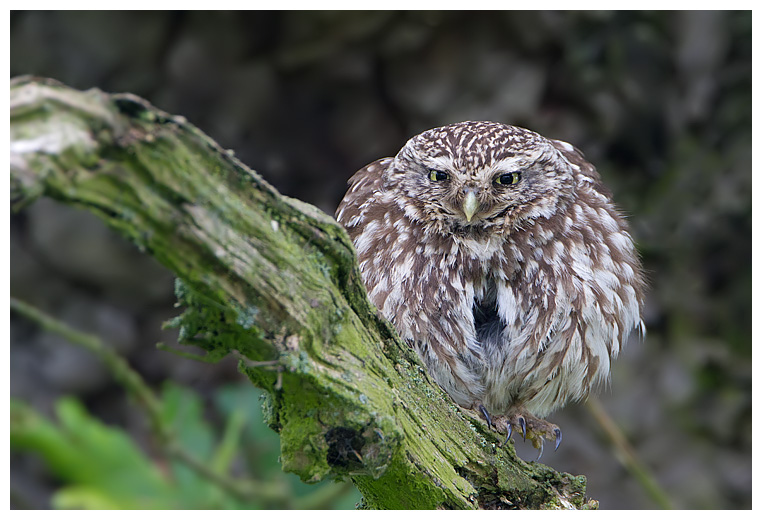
point(274, 281)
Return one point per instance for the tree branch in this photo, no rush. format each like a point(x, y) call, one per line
point(274, 280)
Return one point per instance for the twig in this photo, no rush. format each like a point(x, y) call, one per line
point(626, 454)
point(133, 382)
point(118, 367)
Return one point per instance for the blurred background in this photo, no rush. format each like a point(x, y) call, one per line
point(659, 102)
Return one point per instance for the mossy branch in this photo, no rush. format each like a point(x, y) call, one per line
point(274, 281)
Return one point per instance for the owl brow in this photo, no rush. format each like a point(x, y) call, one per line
point(508, 165)
point(443, 163)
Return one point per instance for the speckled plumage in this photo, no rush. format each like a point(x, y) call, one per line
point(520, 307)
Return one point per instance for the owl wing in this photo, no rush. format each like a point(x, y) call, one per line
point(362, 187)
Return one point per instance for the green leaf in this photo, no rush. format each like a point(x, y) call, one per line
point(183, 411)
point(83, 497)
point(96, 460)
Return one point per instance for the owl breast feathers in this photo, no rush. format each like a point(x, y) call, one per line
point(499, 256)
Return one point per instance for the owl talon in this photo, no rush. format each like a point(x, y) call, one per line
point(484, 412)
point(532, 428)
point(523, 424)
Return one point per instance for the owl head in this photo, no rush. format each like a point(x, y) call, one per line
point(478, 175)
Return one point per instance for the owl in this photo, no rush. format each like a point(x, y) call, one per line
point(499, 256)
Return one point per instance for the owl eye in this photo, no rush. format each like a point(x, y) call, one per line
point(508, 178)
point(437, 175)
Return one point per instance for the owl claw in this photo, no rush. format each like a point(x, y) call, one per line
point(484, 412)
point(523, 424)
point(557, 433)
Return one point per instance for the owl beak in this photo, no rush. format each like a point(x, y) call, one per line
point(470, 205)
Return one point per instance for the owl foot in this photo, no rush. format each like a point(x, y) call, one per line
point(532, 428)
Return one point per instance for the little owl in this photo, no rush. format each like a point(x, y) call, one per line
point(499, 256)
